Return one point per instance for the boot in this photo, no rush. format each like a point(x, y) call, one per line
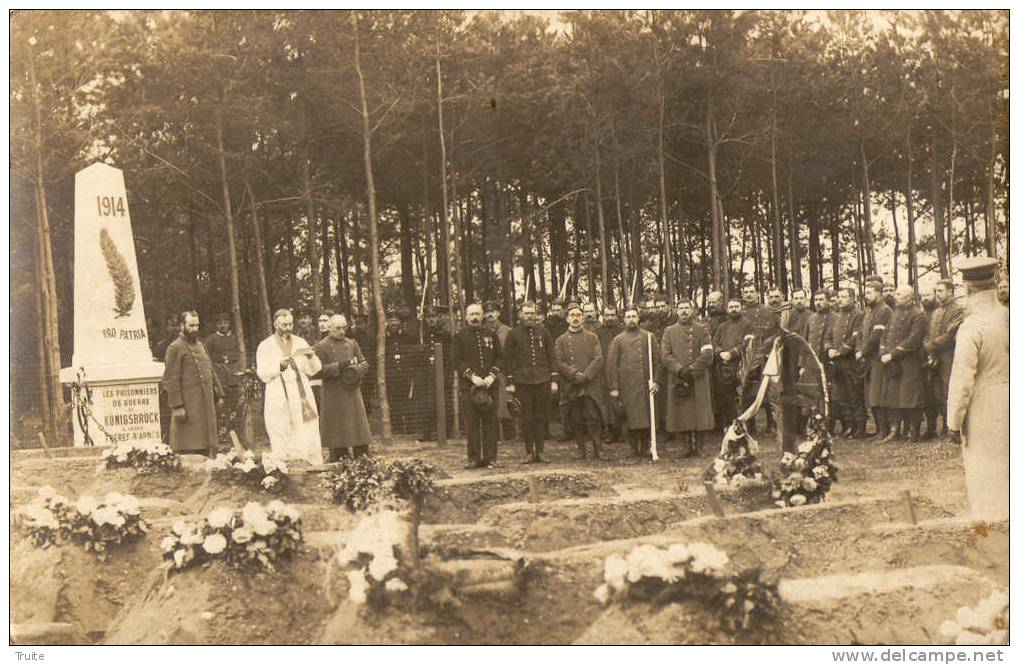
point(583, 449)
point(861, 429)
point(891, 436)
point(596, 443)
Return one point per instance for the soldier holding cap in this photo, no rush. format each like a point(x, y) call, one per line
point(902, 357)
point(978, 391)
point(476, 356)
point(939, 347)
point(688, 353)
point(876, 316)
point(343, 421)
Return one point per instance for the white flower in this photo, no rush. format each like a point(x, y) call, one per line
point(85, 505)
point(719, 465)
point(277, 508)
point(268, 463)
point(381, 566)
point(678, 553)
point(787, 458)
point(615, 572)
point(168, 543)
point(268, 482)
point(809, 484)
point(255, 516)
point(179, 558)
point(41, 516)
point(214, 543)
point(805, 447)
point(242, 534)
point(125, 504)
point(602, 594)
point(247, 466)
point(738, 478)
point(358, 586)
point(108, 515)
point(780, 504)
point(396, 585)
point(824, 453)
point(192, 537)
point(220, 517)
point(820, 471)
point(707, 558)
point(797, 500)
point(121, 457)
point(649, 561)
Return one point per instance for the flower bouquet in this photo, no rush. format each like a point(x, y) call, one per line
point(146, 457)
point(737, 460)
point(98, 525)
point(690, 572)
point(259, 534)
point(362, 482)
point(984, 624)
point(372, 555)
point(807, 475)
point(265, 472)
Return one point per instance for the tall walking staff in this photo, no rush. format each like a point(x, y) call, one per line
point(651, 399)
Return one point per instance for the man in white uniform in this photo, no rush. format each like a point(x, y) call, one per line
point(285, 362)
point(978, 391)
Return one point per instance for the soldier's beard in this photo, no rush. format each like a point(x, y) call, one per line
point(191, 335)
point(735, 315)
point(632, 325)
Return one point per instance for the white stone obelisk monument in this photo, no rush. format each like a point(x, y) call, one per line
point(111, 342)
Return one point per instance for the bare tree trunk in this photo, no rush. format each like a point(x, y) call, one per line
point(235, 288)
point(46, 290)
point(342, 263)
point(327, 271)
point(670, 281)
point(794, 230)
point(716, 222)
point(407, 258)
point(444, 217)
point(992, 231)
point(358, 253)
point(936, 178)
point(606, 283)
point(309, 206)
point(836, 254)
point(950, 210)
point(868, 226)
point(263, 291)
point(373, 226)
point(623, 259)
point(814, 253)
point(912, 270)
point(778, 248)
point(895, 251)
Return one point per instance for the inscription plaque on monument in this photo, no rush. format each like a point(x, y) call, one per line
point(111, 340)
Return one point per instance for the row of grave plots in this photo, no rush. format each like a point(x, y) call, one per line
point(526, 546)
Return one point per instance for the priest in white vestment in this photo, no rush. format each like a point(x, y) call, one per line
point(285, 362)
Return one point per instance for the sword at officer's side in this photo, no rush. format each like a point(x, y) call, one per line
point(651, 399)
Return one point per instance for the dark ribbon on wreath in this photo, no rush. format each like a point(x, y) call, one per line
point(772, 372)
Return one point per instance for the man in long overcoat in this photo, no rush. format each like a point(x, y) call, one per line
point(493, 322)
point(839, 345)
point(607, 329)
point(343, 421)
point(902, 356)
point(633, 372)
point(876, 316)
point(192, 391)
point(579, 362)
point(939, 345)
point(978, 391)
point(224, 351)
point(687, 353)
point(730, 340)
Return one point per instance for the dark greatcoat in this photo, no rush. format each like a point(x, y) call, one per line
point(605, 336)
point(688, 347)
point(342, 420)
point(627, 371)
point(872, 329)
point(904, 381)
point(581, 352)
point(817, 327)
point(940, 343)
point(191, 383)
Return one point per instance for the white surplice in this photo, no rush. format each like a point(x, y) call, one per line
point(293, 435)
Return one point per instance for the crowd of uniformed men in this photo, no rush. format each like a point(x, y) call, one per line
point(603, 375)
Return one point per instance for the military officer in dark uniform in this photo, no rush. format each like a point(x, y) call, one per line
point(476, 357)
point(939, 346)
point(400, 374)
point(225, 354)
point(729, 340)
point(876, 315)
point(839, 345)
point(902, 357)
point(762, 326)
point(715, 312)
point(528, 360)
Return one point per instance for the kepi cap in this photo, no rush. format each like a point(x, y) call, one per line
point(977, 269)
